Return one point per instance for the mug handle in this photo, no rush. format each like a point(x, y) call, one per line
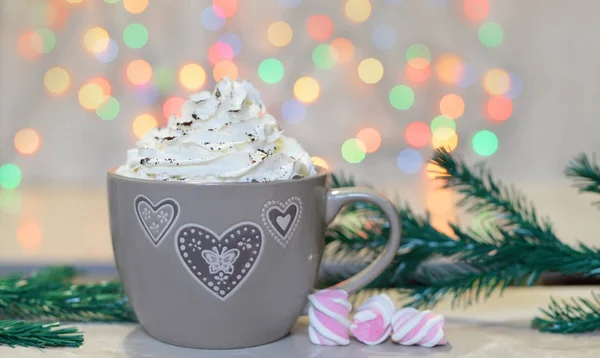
point(336, 199)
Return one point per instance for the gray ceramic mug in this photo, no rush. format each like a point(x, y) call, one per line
point(227, 265)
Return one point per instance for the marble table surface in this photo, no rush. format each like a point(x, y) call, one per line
point(496, 328)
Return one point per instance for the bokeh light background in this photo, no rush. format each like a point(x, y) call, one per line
point(370, 87)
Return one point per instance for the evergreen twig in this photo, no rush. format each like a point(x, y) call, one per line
point(585, 174)
point(514, 249)
point(40, 335)
point(50, 295)
point(576, 315)
point(485, 195)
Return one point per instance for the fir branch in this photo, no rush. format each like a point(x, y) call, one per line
point(576, 315)
point(505, 253)
point(585, 174)
point(40, 335)
point(464, 284)
point(105, 301)
point(483, 194)
point(52, 275)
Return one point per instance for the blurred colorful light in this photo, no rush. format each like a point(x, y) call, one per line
point(135, 6)
point(418, 70)
point(29, 234)
point(192, 76)
point(496, 81)
point(135, 35)
point(516, 86)
point(55, 15)
point(370, 70)
point(320, 162)
point(499, 108)
point(445, 138)
point(109, 54)
point(319, 27)
point(172, 107)
point(464, 75)
point(44, 42)
point(402, 97)
point(343, 48)
point(371, 138)
point(476, 10)
point(233, 42)
point(143, 123)
point(293, 111)
point(394, 2)
point(103, 83)
point(164, 80)
point(280, 33)
point(383, 37)
point(74, 1)
point(146, 94)
point(26, 44)
point(139, 72)
point(491, 34)
point(452, 105)
point(434, 171)
point(357, 10)
point(448, 68)
point(27, 141)
point(220, 51)
point(353, 151)
point(10, 176)
point(108, 110)
point(290, 4)
point(111, 1)
point(410, 161)
point(485, 143)
point(57, 80)
point(212, 20)
point(90, 96)
point(418, 51)
point(417, 134)
point(324, 56)
point(442, 121)
point(307, 89)
point(271, 70)
point(225, 68)
point(96, 40)
point(10, 201)
point(227, 8)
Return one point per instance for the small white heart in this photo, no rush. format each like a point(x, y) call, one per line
point(156, 219)
point(283, 222)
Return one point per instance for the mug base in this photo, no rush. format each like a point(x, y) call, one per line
point(218, 345)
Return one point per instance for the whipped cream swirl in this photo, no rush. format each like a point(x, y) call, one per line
point(221, 136)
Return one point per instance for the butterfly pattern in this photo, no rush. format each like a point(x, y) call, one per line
point(220, 263)
point(223, 261)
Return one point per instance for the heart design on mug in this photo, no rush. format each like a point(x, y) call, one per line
point(156, 220)
point(220, 263)
point(281, 219)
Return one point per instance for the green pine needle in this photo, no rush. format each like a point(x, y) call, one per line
point(514, 248)
point(483, 194)
point(40, 335)
point(50, 295)
point(576, 315)
point(585, 174)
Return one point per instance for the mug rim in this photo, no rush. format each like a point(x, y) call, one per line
point(321, 172)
